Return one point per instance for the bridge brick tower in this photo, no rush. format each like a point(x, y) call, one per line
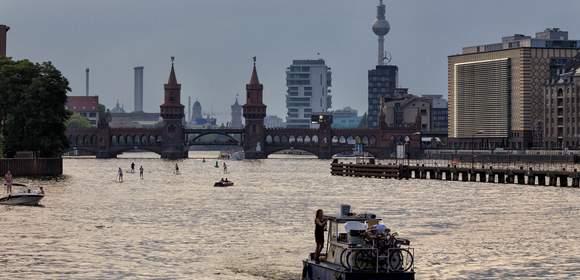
point(254, 113)
point(172, 113)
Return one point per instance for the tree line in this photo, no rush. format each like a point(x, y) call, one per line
point(32, 108)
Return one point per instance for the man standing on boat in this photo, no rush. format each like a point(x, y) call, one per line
point(319, 227)
point(8, 182)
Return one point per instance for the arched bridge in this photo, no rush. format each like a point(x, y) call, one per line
point(327, 143)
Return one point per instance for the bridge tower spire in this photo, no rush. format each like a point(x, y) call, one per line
point(172, 114)
point(254, 113)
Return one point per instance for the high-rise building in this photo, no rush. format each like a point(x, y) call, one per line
point(138, 89)
point(236, 115)
point(3, 30)
point(383, 80)
point(496, 90)
point(439, 113)
point(309, 83)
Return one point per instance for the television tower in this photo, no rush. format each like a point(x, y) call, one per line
point(381, 27)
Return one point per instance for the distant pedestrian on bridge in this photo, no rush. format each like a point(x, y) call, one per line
point(133, 167)
point(141, 172)
point(120, 175)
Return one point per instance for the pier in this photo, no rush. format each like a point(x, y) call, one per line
point(456, 172)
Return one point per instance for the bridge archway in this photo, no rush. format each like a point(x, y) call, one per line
point(298, 151)
point(213, 138)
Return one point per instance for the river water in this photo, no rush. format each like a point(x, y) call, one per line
point(170, 226)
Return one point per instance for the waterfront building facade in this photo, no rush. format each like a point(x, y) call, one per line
point(345, 118)
point(308, 93)
point(561, 116)
point(86, 106)
point(407, 111)
point(496, 90)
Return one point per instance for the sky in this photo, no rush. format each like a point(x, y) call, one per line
point(213, 42)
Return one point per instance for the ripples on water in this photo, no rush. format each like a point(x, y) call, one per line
point(180, 227)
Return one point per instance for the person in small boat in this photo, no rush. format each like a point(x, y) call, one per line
point(120, 175)
point(319, 227)
point(132, 167)
point(141, 172)
point(8, 181)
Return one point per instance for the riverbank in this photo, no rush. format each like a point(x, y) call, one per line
point(31, 167)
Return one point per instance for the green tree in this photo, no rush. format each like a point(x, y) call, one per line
point(77, 121)
point(32, 107)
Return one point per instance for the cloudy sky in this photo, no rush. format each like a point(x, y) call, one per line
point(213, 42)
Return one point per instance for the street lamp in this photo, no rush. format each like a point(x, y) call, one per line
point(473, 148)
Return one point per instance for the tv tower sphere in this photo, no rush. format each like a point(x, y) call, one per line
point(381, 27)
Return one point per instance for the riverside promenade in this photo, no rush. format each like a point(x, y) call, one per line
point(549, 175)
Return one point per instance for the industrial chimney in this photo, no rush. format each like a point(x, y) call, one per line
point(3, 30)
point(87, 82)
point(138, 89)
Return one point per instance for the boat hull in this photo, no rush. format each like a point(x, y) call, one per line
point(21, 199)
point(328, 271)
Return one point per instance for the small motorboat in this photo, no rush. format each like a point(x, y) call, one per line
point(24, 195)
point(223, 183)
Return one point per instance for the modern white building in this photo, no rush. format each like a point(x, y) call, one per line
point(308, 83)
point(274, 122)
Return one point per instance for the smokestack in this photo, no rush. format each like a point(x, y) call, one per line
point(188, 108)
point(87, 82)
point(3, 30)
point(138, 89)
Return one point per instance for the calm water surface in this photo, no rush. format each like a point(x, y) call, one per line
point(180, 227)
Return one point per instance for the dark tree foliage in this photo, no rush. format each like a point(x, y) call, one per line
point(32, 108)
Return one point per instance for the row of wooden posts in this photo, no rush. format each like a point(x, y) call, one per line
point(529, 176)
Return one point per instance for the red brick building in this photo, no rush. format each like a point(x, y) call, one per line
point(86, 106)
